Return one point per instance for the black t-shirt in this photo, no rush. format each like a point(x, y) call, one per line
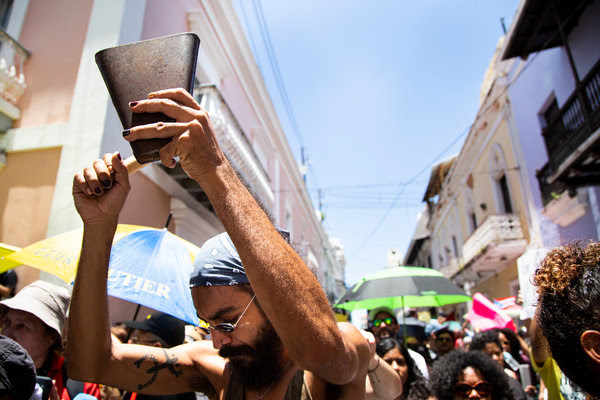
point(516, 390)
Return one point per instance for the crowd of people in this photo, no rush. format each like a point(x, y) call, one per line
point(267, 330)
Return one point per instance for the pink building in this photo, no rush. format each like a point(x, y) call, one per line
point(56, 116)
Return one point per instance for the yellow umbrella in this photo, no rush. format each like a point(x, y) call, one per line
point(5, 250)
point(59, 255)
point(148, 266)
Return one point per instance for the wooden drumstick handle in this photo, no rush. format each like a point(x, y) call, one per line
point(132, 165)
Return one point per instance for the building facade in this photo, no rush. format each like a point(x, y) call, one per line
point(555, 96)
point(57, 117)
point(526, 177)
point(475, 225)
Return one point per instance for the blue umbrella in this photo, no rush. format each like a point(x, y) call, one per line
point(151, 267)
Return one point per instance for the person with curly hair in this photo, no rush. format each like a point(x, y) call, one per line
point(414, 385)
point(468, 375)
point(489, 343)
point(568, 285)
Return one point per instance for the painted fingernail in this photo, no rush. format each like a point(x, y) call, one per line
point(107, 183)
point(126, 132)
point(98, 190)
point(119, 155)
point(133, 103)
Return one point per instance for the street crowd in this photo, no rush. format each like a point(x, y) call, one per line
point(267, 330)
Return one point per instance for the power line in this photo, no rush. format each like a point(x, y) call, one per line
point(424, 169)
point(501, 92)
point(264, 31)
point(251, 36)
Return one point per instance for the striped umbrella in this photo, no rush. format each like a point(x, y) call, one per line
point(399, 287)
point(148, 266)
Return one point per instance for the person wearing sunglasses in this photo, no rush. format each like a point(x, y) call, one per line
point(468, 375)
point(414, 385)
point(383, 324)
point(489, 343)
point(443, 342)
point(273, 333)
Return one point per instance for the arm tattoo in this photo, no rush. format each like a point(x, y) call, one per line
point(170, 364)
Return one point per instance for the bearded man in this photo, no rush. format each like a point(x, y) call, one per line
point(273, 332)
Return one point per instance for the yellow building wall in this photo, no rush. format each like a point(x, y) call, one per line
point(498, 285)
point(482, 185)
point(483, 190)
point(27, 184)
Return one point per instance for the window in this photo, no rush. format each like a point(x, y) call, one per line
point(470, 210)
point(5, 9)
point(500, 184)
point(454, 246)
point(473, 220)
point(503, 184)
point(551, 112)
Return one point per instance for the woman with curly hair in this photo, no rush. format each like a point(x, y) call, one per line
point(568, 284)
point(468, 375)
point(414, 385)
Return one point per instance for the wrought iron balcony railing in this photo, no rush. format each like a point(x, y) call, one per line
point(235, 145)
point(12, 57)
point(234, 142)
point(567, 133)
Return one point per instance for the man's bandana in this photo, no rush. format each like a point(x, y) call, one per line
point(218, 264)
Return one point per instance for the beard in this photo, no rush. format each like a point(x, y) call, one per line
point(385, 333)
point(259, 365)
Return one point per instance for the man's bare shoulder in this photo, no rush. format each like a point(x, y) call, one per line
point(322, 390)
point(355, 389)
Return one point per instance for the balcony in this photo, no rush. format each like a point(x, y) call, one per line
point(12, 79)
point(235, 145)
point(573, 142)
point(496, 242)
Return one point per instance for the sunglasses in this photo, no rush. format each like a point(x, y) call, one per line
point(463, 389)
point(225, 327)
point(379, 321)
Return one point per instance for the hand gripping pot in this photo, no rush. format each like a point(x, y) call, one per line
point(132, 71)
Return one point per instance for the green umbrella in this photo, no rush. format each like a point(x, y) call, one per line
point(399, 287)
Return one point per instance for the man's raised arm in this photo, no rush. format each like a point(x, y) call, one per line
point(99, 193)
point(289, 293)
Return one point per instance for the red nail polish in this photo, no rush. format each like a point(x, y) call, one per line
point(119, 155)
point(133, 103)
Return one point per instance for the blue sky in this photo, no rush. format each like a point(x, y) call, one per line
point(379, 91)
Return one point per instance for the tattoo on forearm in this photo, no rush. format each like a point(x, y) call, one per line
point(170, 363)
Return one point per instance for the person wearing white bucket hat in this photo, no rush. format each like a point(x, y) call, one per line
point(36, 319)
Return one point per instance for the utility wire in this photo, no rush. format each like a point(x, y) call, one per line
point(502, 91)
point(264, 31)
point(424, 169)
point(251, 36)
